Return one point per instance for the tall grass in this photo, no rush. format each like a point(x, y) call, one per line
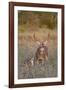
point(27, 47)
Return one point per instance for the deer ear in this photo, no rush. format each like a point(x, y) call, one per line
point(46, 43)
point(38, 43)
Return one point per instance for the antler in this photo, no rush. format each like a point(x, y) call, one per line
point(46, 42)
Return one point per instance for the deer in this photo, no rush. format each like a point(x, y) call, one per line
point(41, 54)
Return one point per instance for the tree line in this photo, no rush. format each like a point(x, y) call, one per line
point(35, 19)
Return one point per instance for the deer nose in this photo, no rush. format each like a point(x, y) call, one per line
point(40, 59)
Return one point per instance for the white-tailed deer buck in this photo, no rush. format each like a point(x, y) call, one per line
point(41, 54)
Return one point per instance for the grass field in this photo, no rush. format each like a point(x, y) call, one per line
point(26, 50)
